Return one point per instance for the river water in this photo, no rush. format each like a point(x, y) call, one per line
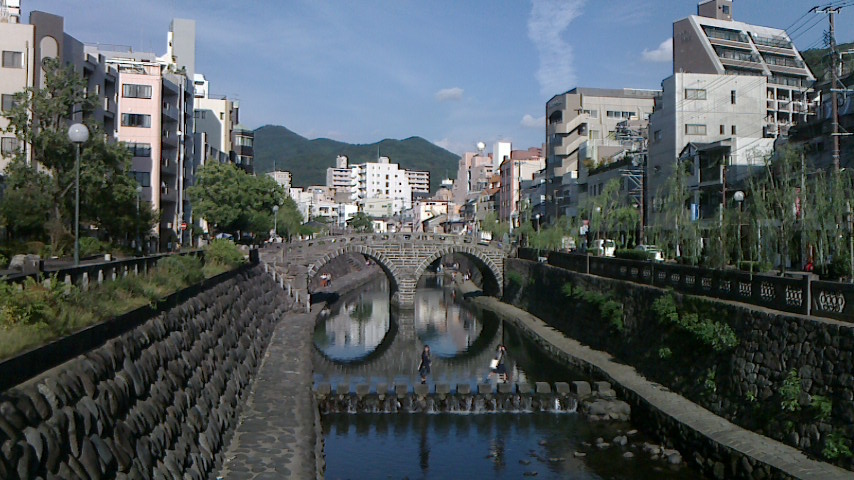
point(362, 340)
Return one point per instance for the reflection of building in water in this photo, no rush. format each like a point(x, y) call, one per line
point(362, 323)
point(457, 326)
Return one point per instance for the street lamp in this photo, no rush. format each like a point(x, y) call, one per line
point(275, 222)
point(598, 212)
point(78, 134)
point(138, 240)
point(537, 216)
point(739, 199)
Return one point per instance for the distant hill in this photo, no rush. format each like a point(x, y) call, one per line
point(307, 160)
point(819, 62)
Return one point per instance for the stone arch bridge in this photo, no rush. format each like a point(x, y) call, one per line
point(404, 257)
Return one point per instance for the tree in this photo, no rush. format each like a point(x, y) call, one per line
point(289, 219)
point(233, 201)
point(362, 223)
point(674, 231)
point(39, 119)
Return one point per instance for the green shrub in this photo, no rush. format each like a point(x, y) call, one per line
point(823, 407)
point(836, 446)
point(92, 246)
point(514, 278)
point(610, 310)
point(790, 392)
point(717, 335)
point(664, 353)
point(33, 248)
point(224, 252)
point(178, 271)
point(754, 266)
point(4, 262)
point(632, 254)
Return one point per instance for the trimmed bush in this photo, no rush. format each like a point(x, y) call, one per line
point(632, 254)
point(92, 246)
point(224, 252)
point(757, 267)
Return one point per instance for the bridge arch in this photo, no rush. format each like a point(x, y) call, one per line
point(492, 282)
point(388, 267)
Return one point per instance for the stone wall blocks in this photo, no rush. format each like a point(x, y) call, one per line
point(23, 404)
point(53, 450)
point(35, 440)
point(28, 464)
point(143, 454)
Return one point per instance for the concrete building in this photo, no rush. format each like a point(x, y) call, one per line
point(572, 119)
point(718, 123)
point(712, 42)
point(215, 115)
point(383, 180)
point(419, 182)
point(282, 177)
point(473, 173)
point(343, 178)
point(24, 49)
point(520, 165)
point(500, 151)
point(243, 148)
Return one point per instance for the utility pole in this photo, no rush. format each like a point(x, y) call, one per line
point(835, 67)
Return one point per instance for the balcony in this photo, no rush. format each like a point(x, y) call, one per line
point(168, 195)
point(787, 69)
point(168, 167)
point(775, 45)
point(169, 113)
point(711, 175)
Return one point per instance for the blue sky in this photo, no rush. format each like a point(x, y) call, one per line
point(452, 72)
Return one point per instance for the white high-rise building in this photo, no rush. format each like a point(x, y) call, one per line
point(384, 180)
point(500, 151)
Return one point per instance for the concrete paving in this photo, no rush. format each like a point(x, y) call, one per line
point(277, 435)
point(762, 449)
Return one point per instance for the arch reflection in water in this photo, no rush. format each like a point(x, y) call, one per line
point(361, 342)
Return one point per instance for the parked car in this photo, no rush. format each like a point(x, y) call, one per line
point(654, 252)
point(604, 247)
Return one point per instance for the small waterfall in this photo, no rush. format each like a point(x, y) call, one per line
point(557, 405)
point(479, 405)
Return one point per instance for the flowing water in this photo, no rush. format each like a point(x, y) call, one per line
point(363, 341)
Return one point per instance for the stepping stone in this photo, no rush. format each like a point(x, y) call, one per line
point(581, 389)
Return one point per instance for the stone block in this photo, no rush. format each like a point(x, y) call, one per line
point(362, 389)
point(343, 389)
point(581, 389)
point(562, 388)
point(443, 389)
point(484, 388)
point(401, 390)
point(601, 386)
point(382, 389)
point(543, 387)
point(505, 388)
point(422, 389)
point(523, 388)
point(463, 389)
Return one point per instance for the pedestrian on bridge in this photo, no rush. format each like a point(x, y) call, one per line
point(424, 367)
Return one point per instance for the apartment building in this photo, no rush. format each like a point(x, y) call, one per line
point(25, 47)
point(473, 173)
point(243, 148)
point(282, 177)
point(419, 182)
point(584, 117)
point(517, 167)
point(712, 42)
point(384, 180)
point(343, 178)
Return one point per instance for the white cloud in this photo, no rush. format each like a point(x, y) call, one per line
point(664, 52)
point(547, 22)
point(529, 121)
point(449, 94)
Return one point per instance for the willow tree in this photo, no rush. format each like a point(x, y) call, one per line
point(674, 230)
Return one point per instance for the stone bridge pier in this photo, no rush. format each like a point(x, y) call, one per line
point(404, 257)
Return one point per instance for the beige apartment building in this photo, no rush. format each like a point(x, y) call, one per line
point(517, 167)
point(582, 117)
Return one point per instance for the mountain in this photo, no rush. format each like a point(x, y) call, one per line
point(819, 62)
point(307, 160)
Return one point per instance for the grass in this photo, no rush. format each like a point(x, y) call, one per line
point(36, 314)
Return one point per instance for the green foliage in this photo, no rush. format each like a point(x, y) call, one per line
point(718, 336)
point(4, 262)
point(710, 382)
point(232, 200)
point(750, 396)
point(308, 159)
point(754, 266)
point(632, 254)
point(92, 246)
point(836, 446)
point(610, 310)
point(179, 270)
point(515, 278)
point(664, 353)
point(818, 59)
point(223, 252)
point(790, 392)
point(362, 223)
point(289, 219)
point(823, 407)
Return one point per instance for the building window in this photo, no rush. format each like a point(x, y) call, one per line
point(695, 94)
point(8, 146)
point(136, 120)
point(725, 9)
point(733, 129)
point(732, 97)
point(8, 102)
point(142, 178)
point(591, 113)
point(139, 149)
point(695, 129)
point(723, 130)
point(618, 114)
point(13, 59)
point(130, 90)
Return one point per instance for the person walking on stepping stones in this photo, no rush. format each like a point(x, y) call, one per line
point(424, 367)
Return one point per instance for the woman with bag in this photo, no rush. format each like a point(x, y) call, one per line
point(424, 367)
point(497, 363)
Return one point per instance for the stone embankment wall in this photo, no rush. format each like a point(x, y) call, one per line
point(156, 402)
point(743, 384)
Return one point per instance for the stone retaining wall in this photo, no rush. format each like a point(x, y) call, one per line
point(156, 402)
point(742, 384)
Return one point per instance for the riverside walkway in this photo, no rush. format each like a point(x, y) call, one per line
point(781, 458)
